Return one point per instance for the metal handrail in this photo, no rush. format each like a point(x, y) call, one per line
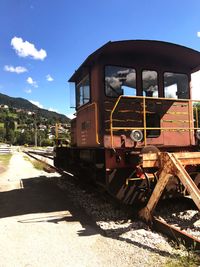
point(144, 128)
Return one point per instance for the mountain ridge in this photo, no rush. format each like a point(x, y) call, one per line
point(24, 104)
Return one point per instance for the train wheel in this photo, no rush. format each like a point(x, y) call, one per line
point(135, 191)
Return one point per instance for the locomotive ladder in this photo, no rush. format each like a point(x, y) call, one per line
point(171, 164)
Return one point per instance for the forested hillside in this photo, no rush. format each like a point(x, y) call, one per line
point(21, 103)
point(21, 123)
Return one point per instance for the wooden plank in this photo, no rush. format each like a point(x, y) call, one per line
point(185, 178)
point(186, 158)
point(170, 166)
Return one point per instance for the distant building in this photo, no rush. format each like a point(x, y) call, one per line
point(30, 113)
point(4, 107)
point(51, 136)
point(42, 127)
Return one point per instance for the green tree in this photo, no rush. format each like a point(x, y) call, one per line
point(2, 134)
point(9, 124)
point(10, 136)
point(25, 137)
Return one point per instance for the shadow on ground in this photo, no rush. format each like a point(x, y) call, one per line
point(42, 195)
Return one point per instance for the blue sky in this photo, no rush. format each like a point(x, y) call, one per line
point(42, 42)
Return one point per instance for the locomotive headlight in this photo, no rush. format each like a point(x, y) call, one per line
point(137, 135)
point(198, 134)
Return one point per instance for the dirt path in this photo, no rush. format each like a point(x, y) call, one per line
point(19, 168)
point(39, 226)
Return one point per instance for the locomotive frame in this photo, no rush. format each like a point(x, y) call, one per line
point(116, 138)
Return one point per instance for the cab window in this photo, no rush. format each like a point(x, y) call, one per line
point(176, 85)
point(120, 81)
point(150, 83)
point(83, 92)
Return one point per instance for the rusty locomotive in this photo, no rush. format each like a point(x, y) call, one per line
point(135, 121)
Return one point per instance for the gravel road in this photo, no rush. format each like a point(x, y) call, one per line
point(43, 225)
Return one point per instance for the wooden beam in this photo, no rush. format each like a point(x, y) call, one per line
point(186, 158)
point(170, 165)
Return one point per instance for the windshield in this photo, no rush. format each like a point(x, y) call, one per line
point(120, 81)
point(176, 85)
point(150, 83)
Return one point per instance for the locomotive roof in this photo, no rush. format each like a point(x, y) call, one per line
point(185, 56)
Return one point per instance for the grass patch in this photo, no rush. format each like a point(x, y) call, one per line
point(42, 166)
point(4, 161)
point(12, 115)
point(39, 165)
point(5, 158)
point(26, 158)
point(189, 260)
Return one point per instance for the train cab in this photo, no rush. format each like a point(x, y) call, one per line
point(111, 86)
point(132, 97)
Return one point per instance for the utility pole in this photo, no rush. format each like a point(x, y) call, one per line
point(35, 130)
point(35, 134)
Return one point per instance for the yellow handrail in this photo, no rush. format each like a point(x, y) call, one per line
point(197, 119)
point(144, 128)
point(144, 121)
point(111, 120)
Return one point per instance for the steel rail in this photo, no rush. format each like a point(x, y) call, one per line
point(174, 233)
point(43, 154)
point(59, 170)
point(49, 165)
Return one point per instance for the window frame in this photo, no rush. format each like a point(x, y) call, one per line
point(120, 66)
point(85, 77)
point(158, 74)
point(176, 72)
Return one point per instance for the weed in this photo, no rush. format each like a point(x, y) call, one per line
point(26, 158)
point(190, 259)
point(5, 158)
point(39, 165)
point(4, 161)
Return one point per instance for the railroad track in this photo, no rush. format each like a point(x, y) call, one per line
point(159, 222)
point(46, 158)
point(40, 153)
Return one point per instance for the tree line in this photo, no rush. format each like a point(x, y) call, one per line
point(21, 128)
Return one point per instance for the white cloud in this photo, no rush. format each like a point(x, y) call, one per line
point(198, 34)
point(70, 116)
point(26, 49)
point(32, 82)
point(36, 103)
point(17, 69)
point(196, 85)
point(49, 78)
point(52, 109)
point(28, 91)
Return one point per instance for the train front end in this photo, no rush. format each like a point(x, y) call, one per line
point(134, 105)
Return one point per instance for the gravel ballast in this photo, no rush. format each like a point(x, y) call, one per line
point(49, 220)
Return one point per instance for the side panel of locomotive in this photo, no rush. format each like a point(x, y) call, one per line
point(86, 127)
